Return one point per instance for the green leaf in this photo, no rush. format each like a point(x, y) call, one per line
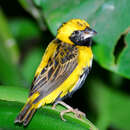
point(24, 28)
point(111, 48)
point(30, 64)
point(124, 59)
point(45, 118)
point(7, 41)
point(112, 106)
point(9, 73)
point(9, 56)
point(109, 18)
point(11, 93)
point(29, 6)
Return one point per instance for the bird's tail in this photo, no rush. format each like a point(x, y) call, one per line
point(26, 114)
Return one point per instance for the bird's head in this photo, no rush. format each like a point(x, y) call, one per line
point(76, 32)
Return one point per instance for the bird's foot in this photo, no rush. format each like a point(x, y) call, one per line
point(78, 114)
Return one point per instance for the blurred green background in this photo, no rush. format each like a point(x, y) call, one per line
point(27, 27)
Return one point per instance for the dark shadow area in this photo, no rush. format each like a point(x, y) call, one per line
point(119, 47)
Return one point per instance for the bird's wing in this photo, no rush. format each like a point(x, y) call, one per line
point(60, 65)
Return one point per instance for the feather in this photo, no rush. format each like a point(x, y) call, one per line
point(60, 65)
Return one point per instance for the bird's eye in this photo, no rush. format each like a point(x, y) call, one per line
point(76, 32)
point(86, 29)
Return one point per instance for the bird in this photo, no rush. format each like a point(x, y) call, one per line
point(62, 71)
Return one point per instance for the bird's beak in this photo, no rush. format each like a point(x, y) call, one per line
point(90, 32)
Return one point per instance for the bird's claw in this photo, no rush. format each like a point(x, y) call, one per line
point(78, 114)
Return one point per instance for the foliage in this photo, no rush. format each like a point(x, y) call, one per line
point(109, 18)
point(23, 39)
point(11, 104)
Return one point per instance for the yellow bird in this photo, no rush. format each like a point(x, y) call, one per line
point(63, 69)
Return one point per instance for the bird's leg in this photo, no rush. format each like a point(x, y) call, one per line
point(78, 114)
point(62, 103)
